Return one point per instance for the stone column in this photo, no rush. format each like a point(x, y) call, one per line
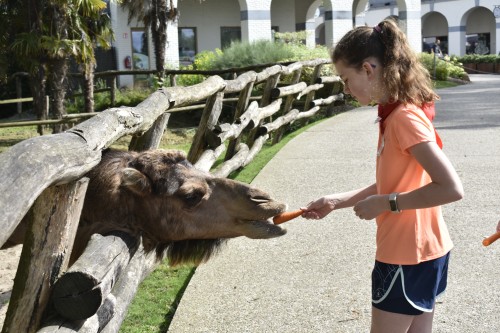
point(255, 18)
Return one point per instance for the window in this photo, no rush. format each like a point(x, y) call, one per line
point(477, 43)
point(228, 35)
point(140, 55)
point(187, 45)
point(140, 49)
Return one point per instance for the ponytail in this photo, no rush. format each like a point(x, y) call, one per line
point(404, 78)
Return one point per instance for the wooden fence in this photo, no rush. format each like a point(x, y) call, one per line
point(42, 180)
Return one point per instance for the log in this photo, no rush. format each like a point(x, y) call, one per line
point(287, 70)
point(240, 83)
point(223, 132)
point(328, 101)
point(209, 119)
point(241, 106)
point(208, 158)
point(152, 138)
point(288, 90)
point(29, 167)
point(52, 221)
point(308, 113)
point(256, 147)
point(314, 87)
point(93, 324)
point(265, 112)
point(267, 73)
point(180, 96)
point(140, 266)
point(234, 163)
point(280, 121)
point(328, 79)
point(296, 87)
point(311, 94)
point(80, 292)
point(252, 112)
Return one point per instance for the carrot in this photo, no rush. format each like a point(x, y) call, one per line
point(287, 216)
point(487, 241)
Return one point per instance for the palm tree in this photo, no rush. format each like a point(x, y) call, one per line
point(44, 36)
point(154, 14)
point(97, 33)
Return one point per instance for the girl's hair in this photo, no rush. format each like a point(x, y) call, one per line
point(404, 77)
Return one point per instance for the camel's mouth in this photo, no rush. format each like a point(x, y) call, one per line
point(260, 229)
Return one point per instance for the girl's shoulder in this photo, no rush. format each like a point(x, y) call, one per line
point(411, 112)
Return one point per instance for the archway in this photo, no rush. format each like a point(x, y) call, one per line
point(480, 31)
point(435, 26)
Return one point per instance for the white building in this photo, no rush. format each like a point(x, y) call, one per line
point(463, 26)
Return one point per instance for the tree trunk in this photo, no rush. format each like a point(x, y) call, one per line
point(38, 84)
point(88, 87)
point(58, 74)
point(159, 17)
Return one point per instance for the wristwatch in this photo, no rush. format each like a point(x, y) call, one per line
point(393, 202)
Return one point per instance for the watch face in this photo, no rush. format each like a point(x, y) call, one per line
point(496, 11)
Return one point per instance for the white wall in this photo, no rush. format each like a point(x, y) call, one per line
point(208, 16)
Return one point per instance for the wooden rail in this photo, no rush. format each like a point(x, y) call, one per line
point(42, 180)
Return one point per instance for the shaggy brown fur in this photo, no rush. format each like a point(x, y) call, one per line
point(159, 195)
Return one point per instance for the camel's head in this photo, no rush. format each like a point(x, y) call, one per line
point(171, 203)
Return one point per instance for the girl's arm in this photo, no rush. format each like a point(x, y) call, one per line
point(323, 206)
point(445, 186)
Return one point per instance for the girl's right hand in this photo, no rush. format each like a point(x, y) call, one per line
point(319, 208)
point(498, 226)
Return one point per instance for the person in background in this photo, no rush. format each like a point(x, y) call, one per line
point(436, 48)
point(413, 178)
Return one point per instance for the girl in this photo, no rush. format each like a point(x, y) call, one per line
point(413, 178)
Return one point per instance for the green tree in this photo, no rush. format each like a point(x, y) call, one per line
point(43, 35)
point(155, 15)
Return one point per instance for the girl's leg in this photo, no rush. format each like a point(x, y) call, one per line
point(390, 322)
point(422, 323)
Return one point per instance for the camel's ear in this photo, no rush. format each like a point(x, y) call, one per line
point(136, 181)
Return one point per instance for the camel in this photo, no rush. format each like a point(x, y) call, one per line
point(177, 209)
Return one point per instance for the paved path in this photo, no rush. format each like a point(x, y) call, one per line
point(316, 278)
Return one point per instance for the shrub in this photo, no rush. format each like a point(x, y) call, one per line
point(246, 54)
point(477, 58)
point(447, 67)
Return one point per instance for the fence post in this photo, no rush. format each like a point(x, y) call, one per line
point(53, 222)
point(287, 107)
point(242, 105)
point(19, 94)
point(208, 120)
point(113, 90)
point(271, 83)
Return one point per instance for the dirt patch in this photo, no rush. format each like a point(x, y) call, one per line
point(9, 260)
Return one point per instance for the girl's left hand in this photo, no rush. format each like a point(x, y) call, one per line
point(371, 207)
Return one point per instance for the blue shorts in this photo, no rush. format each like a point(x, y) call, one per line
point(409, 289)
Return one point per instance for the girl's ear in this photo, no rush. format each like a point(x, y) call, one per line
point(369, 68)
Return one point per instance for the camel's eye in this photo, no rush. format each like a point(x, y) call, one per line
point(193, 199)
point(191, 196)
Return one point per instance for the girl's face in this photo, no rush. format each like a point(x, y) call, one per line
point(362, 83)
